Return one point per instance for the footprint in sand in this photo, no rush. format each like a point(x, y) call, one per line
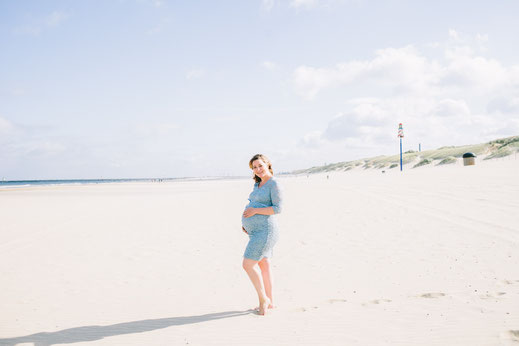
point(492, 295)
point(508, 282)
point(377, 301)
point(510, 337)
point(303, 309)
point(432, 295)
point(331, 301)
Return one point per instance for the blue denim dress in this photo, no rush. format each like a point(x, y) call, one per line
point(262, 229)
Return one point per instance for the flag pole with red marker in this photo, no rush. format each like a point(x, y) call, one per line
point(401, 135)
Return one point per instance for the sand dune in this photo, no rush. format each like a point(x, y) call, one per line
point(428, 256)
point(449, 155)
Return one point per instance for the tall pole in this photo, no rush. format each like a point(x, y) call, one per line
point(401, 135)
point(400, 154)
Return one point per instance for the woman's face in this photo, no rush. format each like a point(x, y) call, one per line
point(261, 169)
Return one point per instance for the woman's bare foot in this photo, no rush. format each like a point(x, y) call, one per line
point(271, 306)
point(263, 307)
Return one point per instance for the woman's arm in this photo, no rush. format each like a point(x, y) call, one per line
point(276, 198)
point(262, 211)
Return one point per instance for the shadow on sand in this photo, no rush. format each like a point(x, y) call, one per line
point(92, 333)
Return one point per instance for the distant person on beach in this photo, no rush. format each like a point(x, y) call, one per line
point(259, 222)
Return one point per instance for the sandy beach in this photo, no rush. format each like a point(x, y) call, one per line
point(428, 256)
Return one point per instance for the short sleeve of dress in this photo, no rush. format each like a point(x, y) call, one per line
point(276, 197)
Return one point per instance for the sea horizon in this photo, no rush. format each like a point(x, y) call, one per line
point(50, 182)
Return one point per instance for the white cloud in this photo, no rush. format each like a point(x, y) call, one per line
point(313, 140)
point(304, 3)
point(159, 27)
point(55, 18)
point(400, 68)
point(514, 77)
point(463, 96)
point(155, 3)
point(195, 74)
point(481, 38)
point(458, 38)
point(407, 71)
point(5, 125)
point(21, 142)
point(37, 25)
point(451, 108)
point(454, 35)
point(371, 124)
point(366, 122)
point(475, 72)
point(158, 3)
point(156, 130)
point(268, 4)
point(42, 148)
point(269, 65)
point(504, 105)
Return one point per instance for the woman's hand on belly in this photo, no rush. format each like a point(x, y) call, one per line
point(249, 212)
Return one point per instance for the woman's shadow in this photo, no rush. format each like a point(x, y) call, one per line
point(92, 333)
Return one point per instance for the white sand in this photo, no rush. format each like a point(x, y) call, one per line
point(429, 256)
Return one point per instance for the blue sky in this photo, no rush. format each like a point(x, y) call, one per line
point(158, 88)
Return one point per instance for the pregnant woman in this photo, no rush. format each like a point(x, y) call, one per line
point(259, 222)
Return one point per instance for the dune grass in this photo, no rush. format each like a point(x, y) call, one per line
point(441, 156)
point(423, 163)
point(447, 161)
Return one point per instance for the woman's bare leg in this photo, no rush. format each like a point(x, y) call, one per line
point(266, 274)
point(252, 270)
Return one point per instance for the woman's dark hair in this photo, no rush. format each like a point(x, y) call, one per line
point(264, 159)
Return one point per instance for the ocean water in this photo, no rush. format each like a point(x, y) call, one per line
point(22, 183)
